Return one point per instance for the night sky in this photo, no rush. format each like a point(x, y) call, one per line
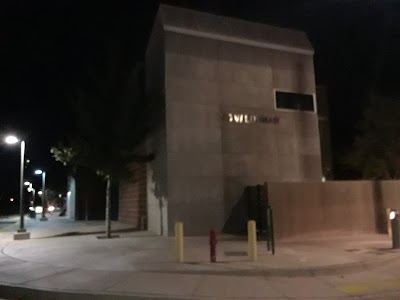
point(46, 46)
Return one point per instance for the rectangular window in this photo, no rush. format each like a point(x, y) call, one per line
point(294, 101)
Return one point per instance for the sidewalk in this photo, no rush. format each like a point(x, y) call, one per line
point(140, 265)
point(58, 226)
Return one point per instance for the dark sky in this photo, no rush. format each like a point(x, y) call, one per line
point(46, 46)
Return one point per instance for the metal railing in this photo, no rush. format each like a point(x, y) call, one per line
point(262, 213)
point(270, 231)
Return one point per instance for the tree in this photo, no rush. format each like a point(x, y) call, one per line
point(376, 150)
point(54, 198)
point(111, 118)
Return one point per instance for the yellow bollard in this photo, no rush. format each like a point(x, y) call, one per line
point(389, 222)
point(252, 240)
point(179, 241)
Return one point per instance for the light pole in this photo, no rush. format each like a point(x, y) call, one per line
point(43, 173)
point(11, 140)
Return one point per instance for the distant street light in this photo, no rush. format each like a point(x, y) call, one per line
point(32, 204)
point(27, 183)
point(11, 140)
point(42, 192)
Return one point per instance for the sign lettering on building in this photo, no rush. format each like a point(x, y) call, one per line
point(249, 118)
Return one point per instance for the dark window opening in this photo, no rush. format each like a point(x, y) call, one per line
point(294, 101)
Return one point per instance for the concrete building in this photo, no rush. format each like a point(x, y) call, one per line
point(238, 108)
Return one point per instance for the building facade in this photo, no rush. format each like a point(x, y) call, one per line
point(237, 107)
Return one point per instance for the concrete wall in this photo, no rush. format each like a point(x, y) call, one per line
point(132, 207)
point(211, 160)
point(253, 153)
point(314, 207)
point(390, 191)
point(194, 156)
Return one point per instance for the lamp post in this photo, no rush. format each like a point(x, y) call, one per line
point(11, 140)
point(43, 173)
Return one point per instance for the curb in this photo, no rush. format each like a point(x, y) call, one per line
point(21, 292)
point(15, 291)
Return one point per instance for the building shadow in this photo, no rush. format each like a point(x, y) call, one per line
point(237, 221)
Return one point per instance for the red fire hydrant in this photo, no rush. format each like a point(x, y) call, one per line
point(213, 246)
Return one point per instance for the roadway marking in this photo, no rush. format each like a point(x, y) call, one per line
point(370, 286)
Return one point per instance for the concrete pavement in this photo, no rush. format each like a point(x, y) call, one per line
point(57, 226)
point(140, 265)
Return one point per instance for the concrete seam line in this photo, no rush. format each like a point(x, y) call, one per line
point(197, 287)
point(9, 256)
point(331, 284)
point(4, 247)
point(54, 274)
point(18, 259)
point(309, 272)
point(275, 288)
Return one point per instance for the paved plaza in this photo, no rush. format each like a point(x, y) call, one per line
point(66, 260)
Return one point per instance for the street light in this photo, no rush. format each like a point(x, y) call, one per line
point(32, 204)
point(11, 140)
point(27, 183)
point(43, 173)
